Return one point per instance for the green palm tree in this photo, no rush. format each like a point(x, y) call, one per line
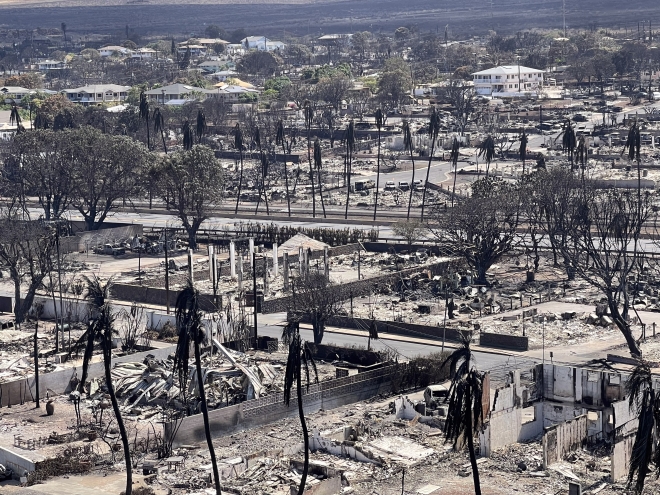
point(644, 401)
point(409, 146)
point(279, 140)
point(318, 164)
point(238, 144)
point(487, 151)
point(453, 157)
point(434, 130)
point(465, 409)
point(101, 327)
point(299, 361)
point(159, 126)
point(350, 148)
point(309, 117)
point(191, 331)
point(201, 125)
point(144, 114)
point(523, 148)
point(379, 126)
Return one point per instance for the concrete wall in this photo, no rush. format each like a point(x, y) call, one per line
point(83, 241)
point(398, 328)
point(325, 395)
point(18, 463)
point(58, 382)
point(157, 296)
point(500, 341)
point(560, 439)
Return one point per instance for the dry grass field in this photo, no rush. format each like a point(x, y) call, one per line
point(272, 17)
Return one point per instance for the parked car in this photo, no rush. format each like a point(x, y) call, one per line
point(389, 185)
point(403, 185)
point(434, 395)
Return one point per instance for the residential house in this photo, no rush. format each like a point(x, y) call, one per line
point(211, 66)
point(508, 81)
point(7, 130)
point(145, 54)
point(51, 65)
point(97, 93)
point(223, 75)
point(196, 50)
point(262, 43)
point(115, 51)
point(15, 93)
point(177, 92)
point(231, 93)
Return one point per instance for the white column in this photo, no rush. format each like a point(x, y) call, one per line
point(232, 259)
point(275, 261)
point(190, 265)
point(211, 253)
point(251, 250)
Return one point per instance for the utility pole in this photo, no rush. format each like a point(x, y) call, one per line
point(167, 277)
point(254, 290)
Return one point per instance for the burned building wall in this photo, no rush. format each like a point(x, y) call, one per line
point(562, 438)
point(325, 395)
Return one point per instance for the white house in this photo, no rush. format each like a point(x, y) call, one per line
point(507, 81)
point(112, 50)
point(177, 92)
point(262, 43)
point(97, 93)
point(144, 54)
point(49, 65)
point(10, 94)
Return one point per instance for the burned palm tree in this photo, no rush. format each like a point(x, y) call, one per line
point(15, 118)
point(190, 328)
point(643, 401)
point(379, 126)
point(523, 148)
point(101, 326)
point(453, 157)
point(188, 136)
point(264, 165)
point(238, 144)
point(309, 117)
point(318, 164)
point(201, 125)
point(159, 126)
point(634, 146)
point(409, 146)
point(299, 361)
point(144, 115)
point(487, 151)
point(465, 410)
point(373, 333)
point(280, 141)
point(569, 140)
point(434, 130)
point(350, 148)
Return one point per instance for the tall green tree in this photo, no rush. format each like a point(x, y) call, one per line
point(465, 413)
point(191, 331)
point(299, 361)
point(191, 183)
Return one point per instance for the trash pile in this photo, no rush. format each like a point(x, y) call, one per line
point(229, 378)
